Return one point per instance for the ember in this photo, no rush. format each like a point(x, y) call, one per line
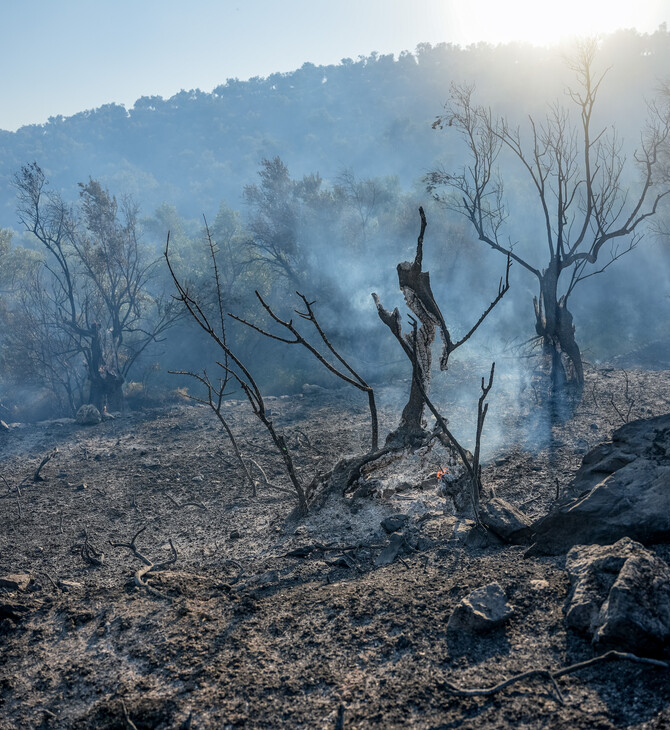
point(441, 472)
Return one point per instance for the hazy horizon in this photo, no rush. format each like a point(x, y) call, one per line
point(76, 55)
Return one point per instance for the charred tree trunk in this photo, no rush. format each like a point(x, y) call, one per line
point(415, 286)
point(554, 324)
point(106, 384)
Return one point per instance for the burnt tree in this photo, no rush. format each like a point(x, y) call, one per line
point(590, 216)
point(415, 286)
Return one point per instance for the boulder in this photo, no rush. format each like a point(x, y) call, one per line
point(484, 609)
point(620, 490)
point(620, 597)
point(506, 521)
point(88, 415)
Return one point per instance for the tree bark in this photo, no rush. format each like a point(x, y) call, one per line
point(554, 324)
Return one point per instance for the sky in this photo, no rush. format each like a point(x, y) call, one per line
point(61, 57)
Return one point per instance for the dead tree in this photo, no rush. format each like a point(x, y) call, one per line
point(352, 378)
point(415, 286)
point(589, 217)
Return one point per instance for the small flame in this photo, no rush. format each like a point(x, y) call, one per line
point(441, 473)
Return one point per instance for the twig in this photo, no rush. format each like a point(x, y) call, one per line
point(552, 676)
point(53, 582)
point(266, 482)
point(129, 723)
point(43, 463)
point(201, 505)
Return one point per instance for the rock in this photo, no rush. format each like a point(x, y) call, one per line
point(505, 520)
point(620, 490)
point(88, 415)
point(484, 609)
point(235, 535)
point(15, 581)
point(3, 426)
point(393, 523)
point(264, 579)
point(69, 585)
point(471, 535)
point(620, 597)
point(391, 551)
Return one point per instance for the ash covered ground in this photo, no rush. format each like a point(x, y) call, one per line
point(267, 621)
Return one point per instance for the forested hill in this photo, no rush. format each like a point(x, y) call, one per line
point(372, 116)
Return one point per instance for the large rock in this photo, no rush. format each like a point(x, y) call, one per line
point(620, 597)
point(484, 609)
point(506, 521)
point(624, 491)
point(88, 415)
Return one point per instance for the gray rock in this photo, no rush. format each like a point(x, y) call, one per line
point(391, 551)
point(393, 523)
point(506, 521)
point(620, 597)
point(88, 415)
point(621, 490)
point(484, 609)
point(471, 535)
point(15, 581)
point(593, 569)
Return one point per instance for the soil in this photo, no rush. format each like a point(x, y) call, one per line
point(269, 621)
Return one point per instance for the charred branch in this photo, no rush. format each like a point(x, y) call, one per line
point(149, 566)
point(353, 378)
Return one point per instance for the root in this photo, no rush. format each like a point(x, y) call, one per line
point(552, 676)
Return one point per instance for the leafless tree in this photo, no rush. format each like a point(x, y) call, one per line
point(415, 286)
point(590, 216)
point(233, 367)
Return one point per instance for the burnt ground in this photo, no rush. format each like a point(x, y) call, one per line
point(248, 636)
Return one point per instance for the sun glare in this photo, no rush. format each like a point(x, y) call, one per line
point(544, 23)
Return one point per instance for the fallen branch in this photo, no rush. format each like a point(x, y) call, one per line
point(148, 565)
point(552, 676)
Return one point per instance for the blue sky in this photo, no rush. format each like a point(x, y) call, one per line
point(65, 56)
